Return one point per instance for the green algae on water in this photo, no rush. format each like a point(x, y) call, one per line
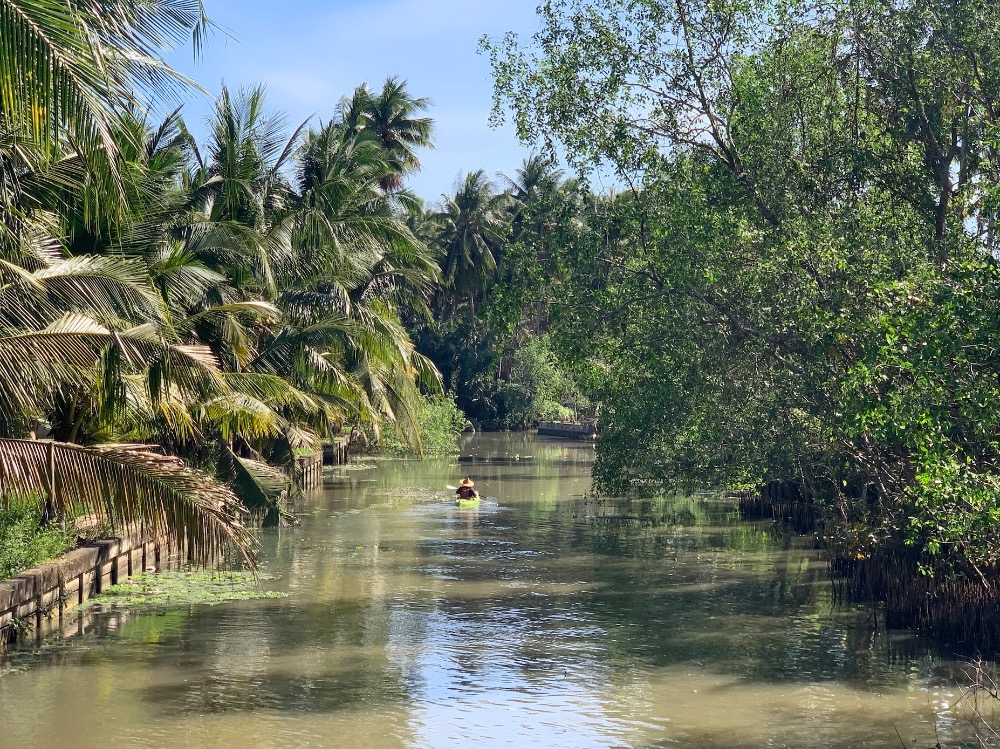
point(347, 468)
point(177, 588)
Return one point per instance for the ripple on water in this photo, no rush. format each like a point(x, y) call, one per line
point(553, 622)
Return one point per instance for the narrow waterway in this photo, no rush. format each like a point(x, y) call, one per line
point(542, 618)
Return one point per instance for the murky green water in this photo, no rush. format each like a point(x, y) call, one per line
point(544, 618)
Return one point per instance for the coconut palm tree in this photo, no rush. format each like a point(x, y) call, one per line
point(203, 237)
point(346, 263)
point(536, 176)
point(230, 307)
point(390, 115)
point(86, 328)
point(359, 265)
point(241, 186)
point(473, 227)
point(66, 69)
point(533, 190)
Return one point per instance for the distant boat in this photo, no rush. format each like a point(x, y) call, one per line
point(567, 429)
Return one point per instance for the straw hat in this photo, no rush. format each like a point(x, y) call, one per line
point(467, 482)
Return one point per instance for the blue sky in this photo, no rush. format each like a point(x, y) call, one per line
point(310, 53)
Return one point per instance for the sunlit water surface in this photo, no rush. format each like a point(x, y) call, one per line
point(542, 618)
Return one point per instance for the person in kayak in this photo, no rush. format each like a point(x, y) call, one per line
point(466, 489)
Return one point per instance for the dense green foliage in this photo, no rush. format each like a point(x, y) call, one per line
point(799, 281)
point(24, 541)
point(441, 422)
point(490, 315)
point(232, 301)
point(538, 388)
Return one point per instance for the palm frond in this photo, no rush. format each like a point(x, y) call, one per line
point(67, 68)
point(261, 310)
point(103, 286)
point(126, 486)
point(34, 363)
point(237, 415)
point(168, 418)
point(262, 486)
point(275, 391)
point(427, 373)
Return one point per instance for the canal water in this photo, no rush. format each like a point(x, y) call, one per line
point(544, 617)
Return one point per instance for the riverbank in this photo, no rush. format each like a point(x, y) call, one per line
point(36, 602)
point(549, 617)
point(939, 598)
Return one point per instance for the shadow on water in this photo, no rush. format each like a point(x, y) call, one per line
point(549, 617)
point(665, 586)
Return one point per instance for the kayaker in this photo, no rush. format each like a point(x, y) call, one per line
point(466, 489)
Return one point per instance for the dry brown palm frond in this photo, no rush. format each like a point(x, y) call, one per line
point(129, 487)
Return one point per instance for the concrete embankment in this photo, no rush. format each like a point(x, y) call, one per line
point(335, 452)
point(309, 470)
point(36, 602)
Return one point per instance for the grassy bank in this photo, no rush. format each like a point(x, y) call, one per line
point(24, 541)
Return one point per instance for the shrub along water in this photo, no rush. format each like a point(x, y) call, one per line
point(441, 422)
point(800, 283)
point(24, 541)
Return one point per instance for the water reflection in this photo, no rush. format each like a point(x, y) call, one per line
point(543, 617)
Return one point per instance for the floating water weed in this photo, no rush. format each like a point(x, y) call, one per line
point(347, 468)
point(186, 588)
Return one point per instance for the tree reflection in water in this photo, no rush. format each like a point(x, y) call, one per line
point(547, 618)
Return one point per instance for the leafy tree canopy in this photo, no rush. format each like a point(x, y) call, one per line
point(799, 282)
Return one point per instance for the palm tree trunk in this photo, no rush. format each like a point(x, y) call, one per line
point(472, 312)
